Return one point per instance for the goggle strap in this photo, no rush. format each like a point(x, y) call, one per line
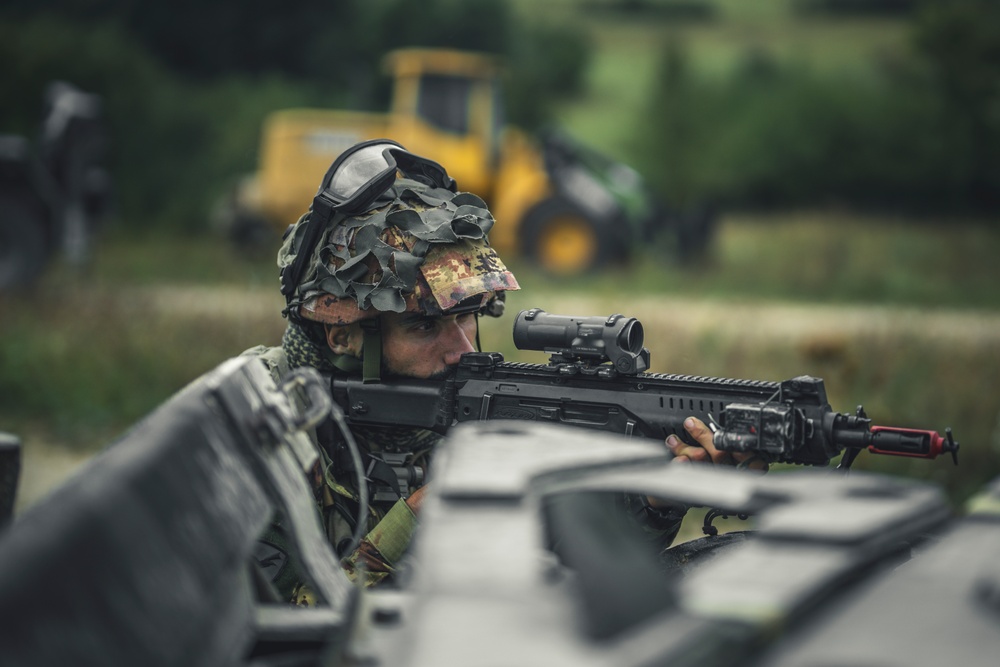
point(319, 218)
point(422, 170)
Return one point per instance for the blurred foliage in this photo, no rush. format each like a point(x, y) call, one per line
point(919, 133)
point(83, 373)
point(83, 357)
point(810, 257)
point(187, 84)
point(338, 44)
point(546, 64)
point(674, 10)
point(914, 338)
point(851, 8)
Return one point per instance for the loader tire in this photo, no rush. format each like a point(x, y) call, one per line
point(562, 240)
point(23, 245)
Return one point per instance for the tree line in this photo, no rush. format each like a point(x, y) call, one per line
point(187, 84)
point(918, 134)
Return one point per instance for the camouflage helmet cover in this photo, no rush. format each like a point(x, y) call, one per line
point(420, 249)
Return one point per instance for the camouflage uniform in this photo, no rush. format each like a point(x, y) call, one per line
point(425, 251)
point(420, 249)
point(390, 522)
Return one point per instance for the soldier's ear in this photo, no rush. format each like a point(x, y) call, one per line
point(345, 339)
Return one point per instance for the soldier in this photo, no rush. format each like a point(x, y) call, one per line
point(386, 276)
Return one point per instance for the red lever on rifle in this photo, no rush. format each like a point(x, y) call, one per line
point(912, 442)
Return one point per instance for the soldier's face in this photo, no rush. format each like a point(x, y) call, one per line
point(418, 346)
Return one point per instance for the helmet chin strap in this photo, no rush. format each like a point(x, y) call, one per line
point(371, 350)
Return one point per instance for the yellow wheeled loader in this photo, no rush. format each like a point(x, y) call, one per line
point(558, 204)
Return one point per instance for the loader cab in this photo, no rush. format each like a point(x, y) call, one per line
point(447, 105)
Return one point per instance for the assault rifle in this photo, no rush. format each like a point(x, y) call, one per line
point(596, 378)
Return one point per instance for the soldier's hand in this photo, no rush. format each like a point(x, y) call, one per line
point(416, 498)
point(702, 452)
point(705, 451)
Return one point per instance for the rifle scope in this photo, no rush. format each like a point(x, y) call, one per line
point(616, 338)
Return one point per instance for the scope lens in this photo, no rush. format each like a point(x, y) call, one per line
point(631, 337)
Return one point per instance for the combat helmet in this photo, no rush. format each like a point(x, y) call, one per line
point(388, 231)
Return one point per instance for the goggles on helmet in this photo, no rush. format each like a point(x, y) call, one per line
point(352, 184)
point(364, 172)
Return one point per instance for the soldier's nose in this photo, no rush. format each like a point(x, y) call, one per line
point(458, 344)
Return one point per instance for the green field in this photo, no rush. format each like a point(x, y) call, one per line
point(902, 318)
point(628, 50)
point(910, 308)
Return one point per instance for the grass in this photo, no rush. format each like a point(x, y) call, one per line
point(85, 354)
point(79, 364)
point(915, 295)
point(83, 357)
point(628, 50)
point(809, 256)
point(820, 257)
point(124, 257)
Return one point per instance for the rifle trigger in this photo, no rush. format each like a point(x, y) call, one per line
point(629, 428)
point(712, 424)
point(484, 411)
